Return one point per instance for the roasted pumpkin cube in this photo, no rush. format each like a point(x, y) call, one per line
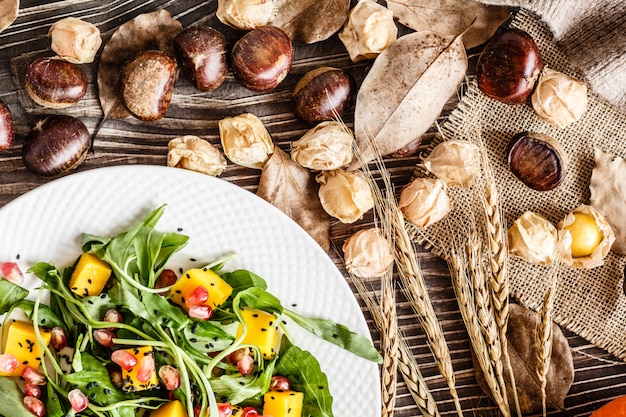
point(261, 331)
point(217, 288)
point(90, 276)
point(142, 376)
point(170, 409)
point(22, 343)
point(283, 404)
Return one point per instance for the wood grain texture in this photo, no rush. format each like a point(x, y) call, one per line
point(599, 376)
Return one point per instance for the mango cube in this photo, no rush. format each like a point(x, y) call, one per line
point(261, 331)
point(283, 404)
point(170, 409)
point(90, 276)
point(22, 343)
point(218, 289)
point(130, 380)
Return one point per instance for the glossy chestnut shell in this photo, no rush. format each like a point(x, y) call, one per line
point(55, 146)
point(55, 83)
point(537, 160)
point(262, 58)
point(146, 84)
point(323, 94)
point(509, 67)
point(7, 128)
point(201, 53)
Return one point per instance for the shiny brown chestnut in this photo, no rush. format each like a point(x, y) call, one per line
point(7, 128)
point(537, 160)
point(261, 59)
point(322, 94)
point(55, 146)
point(201, 52)
point(509, 66)
point(55, 83)
point(146, 84)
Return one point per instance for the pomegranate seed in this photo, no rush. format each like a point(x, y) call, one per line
point(170, 377)
point(146, 368)
point(115, 373)
point(32, 390)
point(166, 279)
point(245, 365)
point(224, 410)
point(35, 406)
point(78, 400)
point(59, 338)
point(124, 359)
point(280, 383)
point(200, 312)
point(249, 412)
point(30, 374)
point(8, 363)
point(113, 316)
point(198, 296)
point(11, 272)
point(104, 337)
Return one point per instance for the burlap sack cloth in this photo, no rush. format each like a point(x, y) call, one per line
point(590, 302)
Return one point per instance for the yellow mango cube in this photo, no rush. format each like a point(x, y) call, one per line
point(22, 343)
point(130, 382)
point(261, 331)
point(283, 404)
point(90, 276)
point(218, 289)
point(170, 409)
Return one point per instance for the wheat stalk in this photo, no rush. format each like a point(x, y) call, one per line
point(389, 343)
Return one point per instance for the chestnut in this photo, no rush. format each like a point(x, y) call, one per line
point(537, 160)
point(55, 83)
point(55, 146)
point(509, 66)
point(201, 52)
point(322, 94)
point(146, 84)
point(261, 59)
point(7, 128)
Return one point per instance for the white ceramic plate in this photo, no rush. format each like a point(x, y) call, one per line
point(46, 224)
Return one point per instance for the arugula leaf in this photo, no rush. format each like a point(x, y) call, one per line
point(10, 294)
point(337, 334)
point(11, 399)
point(237, 389)
point(242, 279)
point(205, 336)
point(53, 403)
point(93, 379)
point(305, 375)
point(47, 317)
point(259, 299)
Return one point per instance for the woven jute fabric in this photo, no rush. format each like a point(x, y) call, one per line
point(590, 302)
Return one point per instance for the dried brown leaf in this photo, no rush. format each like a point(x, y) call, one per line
point(451, 17)
point(8, 12)
point(522, 346)
point(405, 91)
point(154, 30)
point(292, 189)
point(310, 21)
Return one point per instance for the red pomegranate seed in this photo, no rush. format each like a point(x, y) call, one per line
point(245, 365)
point(166, 279)
point(280, 383)
point(8, 363)
point(170, 377)
point(200, 312)
point(35, 406)
point(124, 359)
point(104, 337)
point(30, 374)
point(32, 390)
point(59, 338)
point(113, 316)
point(249, 412)
point(224, 410)
point(78, 400)
point(198, 296)
point(146, 368)
point(11, 272)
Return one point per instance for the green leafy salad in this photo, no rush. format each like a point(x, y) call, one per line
point(123, 335)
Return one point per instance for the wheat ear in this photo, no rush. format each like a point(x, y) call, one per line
point(544, 336)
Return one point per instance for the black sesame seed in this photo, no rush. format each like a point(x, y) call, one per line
point(89, 281)
point(263, 329)
point(193, 340)
point(205, 269)
point(180, 270)
point(103, 295)
point(188, 276)
point(255, 315)
point(17, 256)
point(321, 387)
point(193, 259)
point(180, 229)
point(294, 305)
point(90, 302)
point(335, 335)
point(178, 292)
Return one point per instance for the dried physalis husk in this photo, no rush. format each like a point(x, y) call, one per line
point(326, 147)
point(367, 254)
point(370, 29)
point(533, 238)
point(559, 99)
point(456, 162)
point(245, 14)
point(585, 238)
point(75, 40)
point(345, 195)
point(195, 154)
point(424, 201)
point(245, 140)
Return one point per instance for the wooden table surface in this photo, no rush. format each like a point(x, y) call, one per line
point(599, 376)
